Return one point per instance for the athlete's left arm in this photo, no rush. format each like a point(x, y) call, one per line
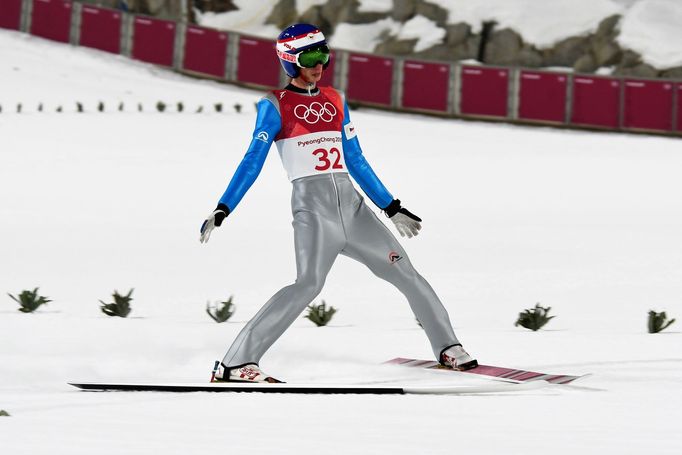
point(359, 168)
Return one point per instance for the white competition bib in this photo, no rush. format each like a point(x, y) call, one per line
point(312, 154)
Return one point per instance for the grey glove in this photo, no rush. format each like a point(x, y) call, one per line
point(407, 223)
point(214, 219)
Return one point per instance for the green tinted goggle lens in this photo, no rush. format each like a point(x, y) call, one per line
point(311, 57)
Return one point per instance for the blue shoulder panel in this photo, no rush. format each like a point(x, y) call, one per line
point(268, 124)
point(359, 168)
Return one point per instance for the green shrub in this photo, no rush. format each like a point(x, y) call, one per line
point(219, 107)
point(30, 300)
point(657, 321)
point(4, 413)
point(221, 311)
point(238, 108)
point(534, 318)
point(181, 107)
point(160, 106)
point(79, 107)
point(319, 314)
point(120, 307)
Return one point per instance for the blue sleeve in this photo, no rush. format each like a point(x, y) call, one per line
point(359, 168)
point(268, 124)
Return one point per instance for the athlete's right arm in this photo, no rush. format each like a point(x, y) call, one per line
point(268, 124)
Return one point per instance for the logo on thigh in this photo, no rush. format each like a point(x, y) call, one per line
point(394, 257)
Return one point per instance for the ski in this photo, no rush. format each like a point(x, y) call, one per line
point(307, 388)
point(504, 374)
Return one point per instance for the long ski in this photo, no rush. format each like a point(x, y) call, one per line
point(501, 373)
point(306, 388)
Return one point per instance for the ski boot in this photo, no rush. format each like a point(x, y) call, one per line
point(245, 373)
point(457, 358)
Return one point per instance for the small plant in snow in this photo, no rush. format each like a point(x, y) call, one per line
point(657, 321)
point(181, 107)
point(121, 107)
point(219, 107)
point(29, 301)
point(238, 108)
point(534, 318)
point(4, 413)
point(79, 107)
point(160, 106)
point(40, 107)
point(200, 109)
point(139, 107)
point(319, 314)
point(221, 311)
point(59, 109)
point(19, 108)
point(100, 106)
point(120, 307)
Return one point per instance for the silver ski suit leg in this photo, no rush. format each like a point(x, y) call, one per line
point(330, 218)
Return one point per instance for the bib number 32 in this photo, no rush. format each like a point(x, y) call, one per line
point(328, 159)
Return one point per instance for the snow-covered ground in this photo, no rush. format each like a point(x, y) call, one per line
point(587, 223)
point(649, 27)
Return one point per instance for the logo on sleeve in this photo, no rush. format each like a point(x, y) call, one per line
point(350, 131)
point(394, 257)
point(263, 136)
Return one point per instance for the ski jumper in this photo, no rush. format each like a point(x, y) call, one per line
point(319, 149)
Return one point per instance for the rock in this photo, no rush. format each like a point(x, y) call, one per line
point(283, 14)
point(434, 12)
point(566, 52)
point(403, 10)
point(641, 70)
point(673, 73)
point(608, 28)
point(585, 64)
point(629, 59)
point(503, 47)
point(313, 15)
point(529, 57)
point(456, 34)
point(393, 46)
point(606, 53)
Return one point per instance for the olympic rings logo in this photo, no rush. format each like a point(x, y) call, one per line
point(315, 112)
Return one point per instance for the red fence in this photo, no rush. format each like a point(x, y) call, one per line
point(425, 85)
point(258, 62)
point(679, 108)
point(370, 79)
point(542, 96)
point(51, 19)
point(485, 91)
point(153, 41)
point(596, 101)
point(648, 105)
point(10, 14)
point(101, 29)
point(205, 51)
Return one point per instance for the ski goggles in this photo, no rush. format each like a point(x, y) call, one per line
point(311, 57)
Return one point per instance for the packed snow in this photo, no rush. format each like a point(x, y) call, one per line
point(587, 223)
point(653, 28)
point(649, 27)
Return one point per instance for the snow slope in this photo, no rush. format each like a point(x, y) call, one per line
point(587, 223)
point(649, 27)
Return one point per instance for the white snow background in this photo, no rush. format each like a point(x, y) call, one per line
point(587, 223)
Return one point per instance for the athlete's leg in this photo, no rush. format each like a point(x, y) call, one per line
point(369, 241)
point(318, 241)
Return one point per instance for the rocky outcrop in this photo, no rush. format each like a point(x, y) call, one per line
point(498, 46)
